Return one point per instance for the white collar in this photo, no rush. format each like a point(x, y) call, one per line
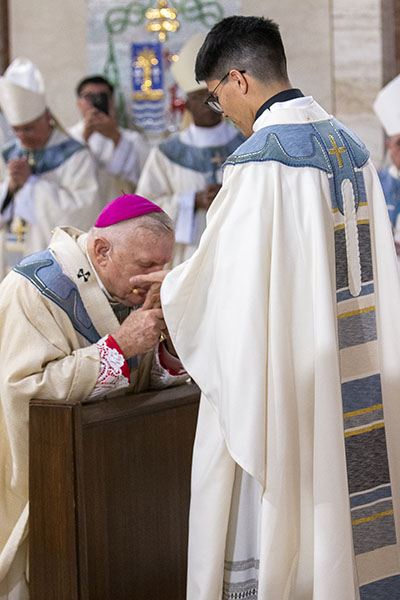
point(297, 110)
point(99, 281)
point(208, 136)
point(393, 171)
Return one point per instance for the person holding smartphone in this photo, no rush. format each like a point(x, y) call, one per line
point(119, 153)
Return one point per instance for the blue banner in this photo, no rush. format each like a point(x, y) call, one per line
point(147, 72)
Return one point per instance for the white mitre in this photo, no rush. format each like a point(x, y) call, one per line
point(22, 97)
point(183, 69)
point(387, 106)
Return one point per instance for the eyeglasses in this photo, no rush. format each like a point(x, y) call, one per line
point(212, 100)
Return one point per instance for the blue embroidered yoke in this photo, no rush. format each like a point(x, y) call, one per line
point(45, 159)
point(207, 159)
point(44, 272)
point(325, 145)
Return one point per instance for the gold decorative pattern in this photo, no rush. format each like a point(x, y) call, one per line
point(162, 20)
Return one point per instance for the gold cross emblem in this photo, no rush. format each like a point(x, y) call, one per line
point(146, 61)
point(337, 151)
point(19, 228)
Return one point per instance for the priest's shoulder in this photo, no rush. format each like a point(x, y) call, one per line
point(299, 145)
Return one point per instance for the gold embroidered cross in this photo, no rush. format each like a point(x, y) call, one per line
point(337, 151)
point(19, 228)
point(218, 159)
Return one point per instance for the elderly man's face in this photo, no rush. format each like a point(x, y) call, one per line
point(34, 135)
point(144, 252)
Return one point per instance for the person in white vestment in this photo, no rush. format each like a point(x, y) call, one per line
point(386, 109)
point(119, 153)
point(287, 317)
point(46, 177)
point(183, 174)
point(109, 338)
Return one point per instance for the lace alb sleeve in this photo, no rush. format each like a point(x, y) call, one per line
point(114, 370)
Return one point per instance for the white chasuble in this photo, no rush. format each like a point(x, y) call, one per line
point(286, 318)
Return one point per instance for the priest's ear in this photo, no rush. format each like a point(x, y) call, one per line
point(102, 250)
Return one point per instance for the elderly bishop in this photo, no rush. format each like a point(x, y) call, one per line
point(46, 177)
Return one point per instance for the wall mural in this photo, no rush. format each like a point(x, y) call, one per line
point(134, 44)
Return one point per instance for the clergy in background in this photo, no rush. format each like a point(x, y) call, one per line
point(46, 177)
point(72, 327)
point(287, 316)
point(387, 109)
point(183, 175)
point(119, 153)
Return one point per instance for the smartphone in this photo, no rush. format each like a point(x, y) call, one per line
point(100, 101)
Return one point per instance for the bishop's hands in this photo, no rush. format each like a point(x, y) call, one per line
point(19, 172)
point(204, 198)
point(96, 120)
point(142, 329)
point(140, 332)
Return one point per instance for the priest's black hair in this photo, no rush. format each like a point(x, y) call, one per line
point(94, 79)
point(250, 44)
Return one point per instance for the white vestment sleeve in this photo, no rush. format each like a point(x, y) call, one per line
point(3, 190)
point(160, 376)
point(157, 184)
point(128, 157)
point(7, 213)
point(185, 221)
point(24, 200)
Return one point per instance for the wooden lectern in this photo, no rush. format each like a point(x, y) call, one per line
point(109, 496)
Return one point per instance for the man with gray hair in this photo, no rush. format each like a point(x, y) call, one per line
point(90, 334)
